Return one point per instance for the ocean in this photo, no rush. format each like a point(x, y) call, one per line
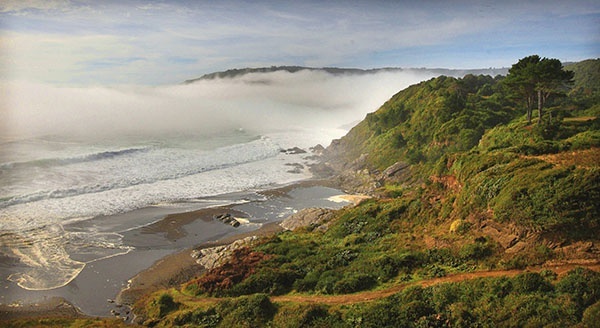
point(52, 182)
point(75, 163)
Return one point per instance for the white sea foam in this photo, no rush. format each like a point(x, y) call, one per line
point(48, 252)
point(85, 185)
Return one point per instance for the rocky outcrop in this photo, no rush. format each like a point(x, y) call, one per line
point(356, 176)
point(212, 257)
point(399, 172)
point(358, 181)
point(307, 217)
point(293, 151)
point(497, 233)
point(317, 150)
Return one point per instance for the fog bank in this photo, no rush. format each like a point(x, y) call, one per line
point(259, 102)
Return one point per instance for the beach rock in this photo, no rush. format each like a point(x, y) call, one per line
point(296, 168)
point(306, 217)
point(228, 219)
point(214, 256)
point(294, 150)
point(318, 149)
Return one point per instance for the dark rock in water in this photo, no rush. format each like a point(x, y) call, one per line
point(228, 219)
point(292, 151)
point(297, 168)
point(318, 149)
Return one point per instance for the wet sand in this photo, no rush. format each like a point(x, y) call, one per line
point(180, 267)
point(161, 248)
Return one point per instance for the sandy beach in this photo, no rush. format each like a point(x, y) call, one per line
point(160, 254)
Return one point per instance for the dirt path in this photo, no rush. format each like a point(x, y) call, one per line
point(559, 269)
point(586, 158)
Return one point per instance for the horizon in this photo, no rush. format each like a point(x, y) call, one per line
point(88, 43)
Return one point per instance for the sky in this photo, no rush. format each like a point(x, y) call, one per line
point(128, 42)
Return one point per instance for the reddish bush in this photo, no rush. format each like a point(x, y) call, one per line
point(240, 265)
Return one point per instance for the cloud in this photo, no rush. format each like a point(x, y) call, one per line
point(254, 102)
point(228, 34)
point(18, 6)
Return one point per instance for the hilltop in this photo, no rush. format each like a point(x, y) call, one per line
point(234, 73)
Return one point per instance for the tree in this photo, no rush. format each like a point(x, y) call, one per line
point(534, 77)
point(520, 79)
point(551, 79)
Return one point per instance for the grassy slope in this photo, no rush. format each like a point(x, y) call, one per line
point(479, 165)
point(489, 192)
point(492, 193)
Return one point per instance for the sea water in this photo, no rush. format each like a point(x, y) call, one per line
point(75, 160)
point(48, 183)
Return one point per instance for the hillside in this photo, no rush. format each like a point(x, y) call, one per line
point(587, 75)
point(234, 73)
point(464, 189)
point(478, 218)
point(586, 89)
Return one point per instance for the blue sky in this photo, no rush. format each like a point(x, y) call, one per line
point(88, 42)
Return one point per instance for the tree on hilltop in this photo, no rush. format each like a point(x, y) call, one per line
point(534, 77)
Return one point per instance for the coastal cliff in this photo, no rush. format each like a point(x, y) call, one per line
point(463, 187)
point(477, 217)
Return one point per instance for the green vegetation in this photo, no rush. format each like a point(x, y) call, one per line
point(525, 300)
point(528, 299)
point(542, 77)
point(487, 191)
point(424, 121)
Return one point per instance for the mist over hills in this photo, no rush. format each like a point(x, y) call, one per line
point(336, 71)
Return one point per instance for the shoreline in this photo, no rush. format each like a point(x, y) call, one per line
point(175, 269)
point(181, 266)
point(160, 260)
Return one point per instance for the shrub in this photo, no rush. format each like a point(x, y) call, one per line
point(300, 315)
point(591, 316)
point(246, 311)
point(354, 283)
point(476, 251)
point(531, 282)
point(583, 286)
point(217, 281)
point(387, 267)
point(327, 282)
point(375, 314)
point(308, 283)
point(205, 318)
point(584, 140)
point(161, 305)
point(272, 281)
point(460, 226)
